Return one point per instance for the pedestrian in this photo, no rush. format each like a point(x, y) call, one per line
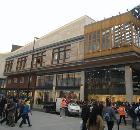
point(7, 106)
point(122, 114)
point(12, 112)
point(0, 109)
point(133, 116)
point(31, 104)
point(95, 121)
point(25, 114)
point(137, 111)
point(3, 102)
point(101, 106)
point(111, 112)
point(85, 114)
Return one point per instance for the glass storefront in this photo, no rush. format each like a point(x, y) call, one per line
point(72, 94)
point(23, 93)
point(105, 83)
point(12, 93)
point(44, 95)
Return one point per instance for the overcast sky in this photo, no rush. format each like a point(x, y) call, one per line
point(22, 20)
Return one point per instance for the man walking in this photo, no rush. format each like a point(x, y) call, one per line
point(85, 114)
point(122, 114)
point(133, 116)
point(12, 112)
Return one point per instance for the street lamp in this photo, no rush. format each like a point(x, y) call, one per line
point(31, 68)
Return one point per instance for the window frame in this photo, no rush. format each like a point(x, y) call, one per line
point(8, 66)
point(19, 61)
point(57, 60)
point(21, 81)
point(38, 57)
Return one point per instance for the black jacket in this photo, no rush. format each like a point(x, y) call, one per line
point(132, 113)
point(85, 112)
point(3, 102)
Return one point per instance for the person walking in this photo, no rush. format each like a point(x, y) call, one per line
point(25, 114)
point(0, 109)
point(12, 112)
point(3, 102)
point(95, 121)
point(133, 116)
point(122, 114)
point(111, 113)
point(85, 114)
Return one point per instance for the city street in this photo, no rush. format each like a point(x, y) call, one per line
point(49, 121)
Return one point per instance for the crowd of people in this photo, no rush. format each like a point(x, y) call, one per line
point(12, 109)
point(93, 118)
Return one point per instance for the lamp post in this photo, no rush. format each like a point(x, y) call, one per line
point(31, 68)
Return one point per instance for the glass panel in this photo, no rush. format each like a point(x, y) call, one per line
point(103, 33)
point(23, 58)
point(33, 66)
point(116, 39)
point(21, 68)
point(26, 57)
point(107, 31)
point(112, 41)
point(61, 55)
point(103, 43)
point(134, 38)
point(127, 37)
point(85, 47)
point(122, 27)
point(43, 64)
point(35, 55)
point(133, 26)
point(39, 54)
point(22, 63)
point(62, 48)
point(67, 60)
point(89, 36)
point(65, 79)
point(98, 34)
point(44, 53)
point(108, 42)
point(86, 37)
point(67, 54)
point(94, 45)
point(71, 79)
point(98, 44)
point(122, 38)
point(43, 59)
point(34, 61)
point(55, 50)
point(89, 46)
point(54, 62)
point(126, 26)
point(116, 29)
point(55, 56)
point(94, 35)
point(77, 79)
point(137, 39)
point(59, 80)
point(68, 47)
point(18, 64)
point(38, 65)
point(60, 61)
point(112, 30)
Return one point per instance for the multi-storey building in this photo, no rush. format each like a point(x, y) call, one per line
point(82, 60)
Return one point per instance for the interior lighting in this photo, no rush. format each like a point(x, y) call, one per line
point(119, 70)
point(115, 68)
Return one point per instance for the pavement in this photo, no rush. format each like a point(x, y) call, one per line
point(51, 121)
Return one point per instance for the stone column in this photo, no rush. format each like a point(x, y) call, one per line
point(54, 85)
point(82, 85)
point(128, 84)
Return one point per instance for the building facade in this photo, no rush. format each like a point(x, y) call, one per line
point(83, 60)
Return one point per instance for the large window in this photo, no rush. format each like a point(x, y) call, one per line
point(39, 59)
point(21, 63)
point(9, 66)
point(61, 55)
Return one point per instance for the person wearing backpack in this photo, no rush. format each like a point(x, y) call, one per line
point(133, 116)
point(122, 114)
point(110, 116)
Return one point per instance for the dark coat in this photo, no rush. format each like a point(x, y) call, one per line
point(132, 113)
point(3, 102)
point(85, 112)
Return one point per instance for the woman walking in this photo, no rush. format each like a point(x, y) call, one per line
point(95, 121)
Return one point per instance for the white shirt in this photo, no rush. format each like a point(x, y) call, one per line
point(136, 110)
